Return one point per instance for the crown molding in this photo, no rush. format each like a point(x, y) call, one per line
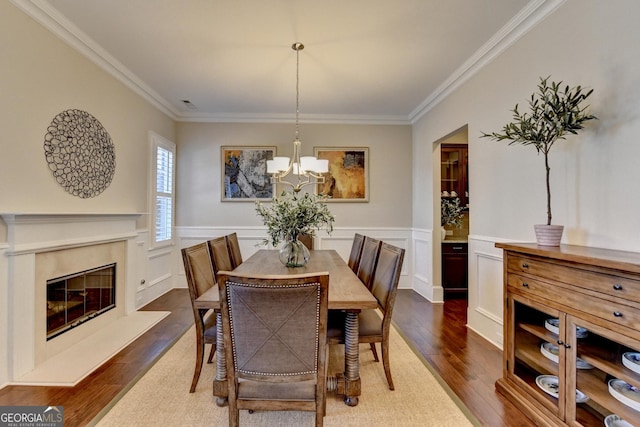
point(287, 118)
point(530, 16)
point(42, 12)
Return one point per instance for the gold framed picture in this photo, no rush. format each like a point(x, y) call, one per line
point(348, 176)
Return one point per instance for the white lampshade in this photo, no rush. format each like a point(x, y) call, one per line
point(278, 164)
point(322, 165)
point(307, 163)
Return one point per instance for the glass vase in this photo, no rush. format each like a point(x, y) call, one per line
point(293, 253)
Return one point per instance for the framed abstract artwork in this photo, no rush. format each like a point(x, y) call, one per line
point(348, 176)
point(244, 174)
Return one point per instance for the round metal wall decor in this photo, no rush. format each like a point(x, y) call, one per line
point(80, 153)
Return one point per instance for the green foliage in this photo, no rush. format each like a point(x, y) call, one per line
point(290, 215)
point(451, 212)
point(554, 112)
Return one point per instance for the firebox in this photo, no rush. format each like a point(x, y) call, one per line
point(79, 297)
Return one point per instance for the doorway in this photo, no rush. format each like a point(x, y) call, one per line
point(454, 198)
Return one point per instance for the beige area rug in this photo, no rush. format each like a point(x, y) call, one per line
point(75, 363)
point(161, 396)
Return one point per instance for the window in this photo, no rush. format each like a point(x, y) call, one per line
point(163, 197)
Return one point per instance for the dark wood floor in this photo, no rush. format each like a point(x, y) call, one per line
point(467, 362)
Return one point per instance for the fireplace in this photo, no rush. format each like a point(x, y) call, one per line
point(77, 298)
point(44, 249)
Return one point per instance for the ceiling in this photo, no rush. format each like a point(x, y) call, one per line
point(368, 61)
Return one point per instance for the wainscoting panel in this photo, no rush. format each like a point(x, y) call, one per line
point(485, 311)
point(156, 273)
point(422, 262)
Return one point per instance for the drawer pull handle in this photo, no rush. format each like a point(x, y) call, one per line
point(525, 285)
point(457, 248)
point(617, 287)
point(617, 314)
point(525, 265)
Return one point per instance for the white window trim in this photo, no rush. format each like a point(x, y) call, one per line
point(156, 141)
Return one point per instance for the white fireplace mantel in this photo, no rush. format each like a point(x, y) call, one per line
point(38, 232)
point(31, 234)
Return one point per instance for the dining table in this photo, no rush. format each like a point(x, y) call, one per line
point(346, 293)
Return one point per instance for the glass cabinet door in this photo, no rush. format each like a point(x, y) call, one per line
point(606, 368)
point(450, 171)
point(454, 177)
point(538, 358)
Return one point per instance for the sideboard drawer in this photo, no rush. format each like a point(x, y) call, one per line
point(607, 283)
point(616, 312)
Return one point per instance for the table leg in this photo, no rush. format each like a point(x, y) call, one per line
point(220, 389)
point(351, 359)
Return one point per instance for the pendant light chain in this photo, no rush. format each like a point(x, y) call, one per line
point(298, 47)
point(307, 170)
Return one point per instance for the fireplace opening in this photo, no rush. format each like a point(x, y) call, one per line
point(79, 297)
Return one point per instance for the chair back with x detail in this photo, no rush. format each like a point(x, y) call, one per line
point(274, 331)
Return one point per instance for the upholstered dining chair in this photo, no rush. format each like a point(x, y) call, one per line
point(356, 250)
point(274, 331)
point(234, 249)
point(200, 277)
point(307, 240)
point(368, 259)
point(372, 327)
point(220, 254)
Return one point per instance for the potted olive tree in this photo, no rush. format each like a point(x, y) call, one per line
point(554, 111)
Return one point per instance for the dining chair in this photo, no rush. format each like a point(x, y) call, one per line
point(200, 277)
point(274, 330)
point(307, 240)
point(372, 327)
point(234, 249)
point(356, 250)
point(220, 254)
point(368, 259)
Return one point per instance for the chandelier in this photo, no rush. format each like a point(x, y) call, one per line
point(305, 170)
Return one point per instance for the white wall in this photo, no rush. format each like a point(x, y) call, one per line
point(199, 170)
point(586, 42)
point(41, 77)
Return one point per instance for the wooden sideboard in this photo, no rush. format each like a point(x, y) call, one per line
point(570, 314)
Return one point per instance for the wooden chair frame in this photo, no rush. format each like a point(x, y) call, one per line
point(200, 277)
point(271, 388)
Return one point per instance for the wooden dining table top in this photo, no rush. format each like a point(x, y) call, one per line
point(346, 291)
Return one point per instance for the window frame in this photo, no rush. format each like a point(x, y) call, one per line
point(157, 142)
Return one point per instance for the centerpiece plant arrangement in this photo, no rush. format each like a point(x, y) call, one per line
point(290, 215)
point(554, 112)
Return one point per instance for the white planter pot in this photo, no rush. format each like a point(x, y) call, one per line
point(548, 235)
